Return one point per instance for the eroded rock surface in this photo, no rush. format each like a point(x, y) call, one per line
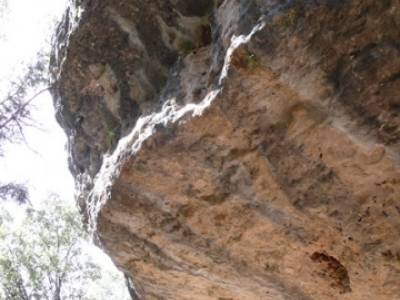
point(284, 184)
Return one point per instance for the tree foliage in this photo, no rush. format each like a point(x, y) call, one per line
point(16, 106)
point(14, 191)
point(44, 258)
point(15, 115)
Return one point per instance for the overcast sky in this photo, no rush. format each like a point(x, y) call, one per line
point(42, 162)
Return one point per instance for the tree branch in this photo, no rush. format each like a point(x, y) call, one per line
point(22, 107)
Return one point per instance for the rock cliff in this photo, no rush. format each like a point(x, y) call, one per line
point(237, 149)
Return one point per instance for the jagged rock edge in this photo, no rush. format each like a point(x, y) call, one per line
point(73, 14)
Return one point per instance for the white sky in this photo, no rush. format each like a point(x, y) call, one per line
point(41, 163)
point(26, 25)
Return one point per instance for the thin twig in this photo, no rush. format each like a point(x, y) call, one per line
point(22, 107)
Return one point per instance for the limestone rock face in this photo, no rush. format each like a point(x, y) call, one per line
point(238, 149)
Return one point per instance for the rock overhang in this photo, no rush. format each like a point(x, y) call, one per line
point(284, 184)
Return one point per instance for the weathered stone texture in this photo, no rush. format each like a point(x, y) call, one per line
point(288, 185)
